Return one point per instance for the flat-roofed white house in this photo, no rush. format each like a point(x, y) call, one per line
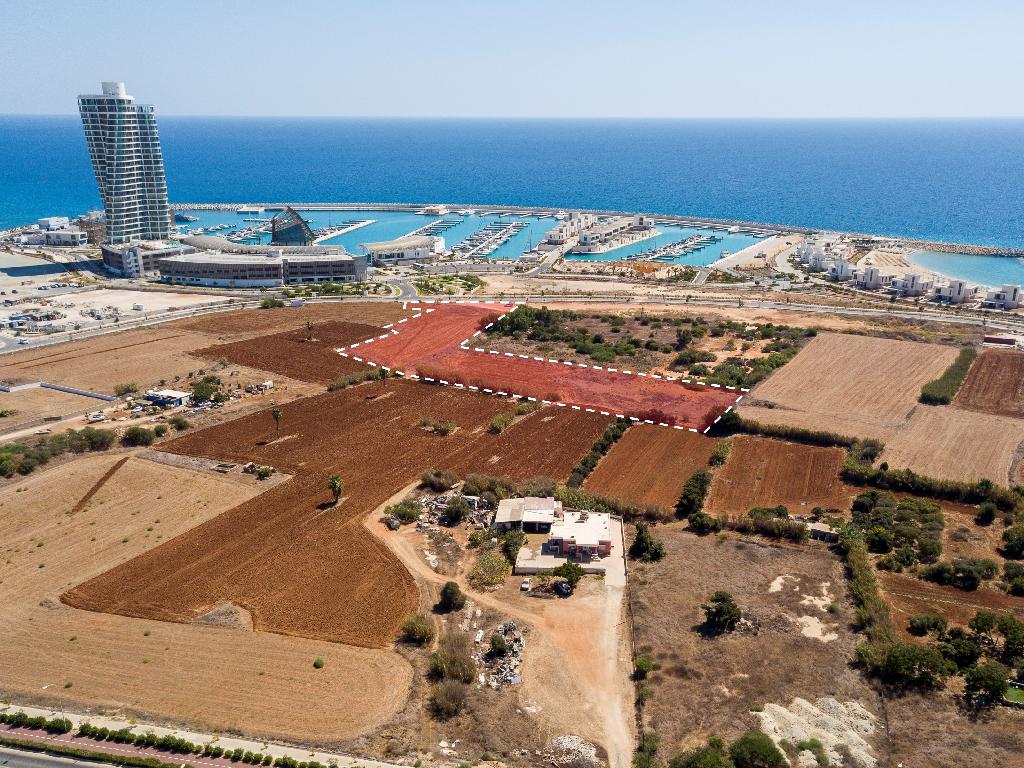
point(531, 514)
point(1007, 297)
point(914, 284)
point(873, 278)
point(581, 535)
point(956, 292)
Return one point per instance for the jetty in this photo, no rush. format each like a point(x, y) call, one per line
point(487, 240)
point(674, 250)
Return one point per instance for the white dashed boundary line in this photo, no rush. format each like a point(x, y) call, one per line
point(465, 344)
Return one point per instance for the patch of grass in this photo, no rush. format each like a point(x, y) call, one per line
point(942, 390)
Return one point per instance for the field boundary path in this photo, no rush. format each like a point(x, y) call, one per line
point(80, 505)
point(227, 743)
point(634, 395)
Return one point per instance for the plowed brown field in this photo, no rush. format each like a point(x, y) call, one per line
point(429, 346)
point(763, 473)
point(299, 565)
point(995, 384)
point(289, 353)
point(649, 465)
point(246, 323)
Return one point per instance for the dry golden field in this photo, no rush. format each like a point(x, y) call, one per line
point(947, 442)
point(36, 402)
point(205, 676)
point(855, 385)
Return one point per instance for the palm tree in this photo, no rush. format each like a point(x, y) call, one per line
point(337, 487)
point(276, 414)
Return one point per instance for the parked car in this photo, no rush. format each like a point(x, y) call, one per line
point(527, 583)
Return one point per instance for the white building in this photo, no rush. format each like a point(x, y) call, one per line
point(65, 237)
point(571, 227)
point(128, 163)
point(412, 248)
point(956, 292)
point(841, 270)
point(1007, 297)
point(598, 237)
point(914, 284)
point(53, 222)
point(581, 535)
point(872, 279)
point(529, 514)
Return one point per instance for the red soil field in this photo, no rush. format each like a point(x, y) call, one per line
point(649, 465)
point(429, 346)
point(289, 354)
point(762, 472)
point(995, 384)
point(299, 565)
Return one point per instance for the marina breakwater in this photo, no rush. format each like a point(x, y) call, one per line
point(747, 227)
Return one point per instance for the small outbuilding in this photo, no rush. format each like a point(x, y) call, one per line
point(168, 398)
point(531, 514)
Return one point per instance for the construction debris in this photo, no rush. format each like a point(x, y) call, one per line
point(502, 670)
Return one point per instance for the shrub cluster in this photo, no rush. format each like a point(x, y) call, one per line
point(405, 512)
point(438, 481)
point(908, 481)
point(21, 719)
point(611, 435)
point(695, 491)
point(645, 547)
point(452, 666)
point(909, 529)
point(490, 569)
point(138, 436)
point(627, 510)
point(942, 390)
point(963, 573)
point(720, 453)
point(23, 458)
point(732, 423)
point(773, 522)
point(443, 427)
point(351, 379)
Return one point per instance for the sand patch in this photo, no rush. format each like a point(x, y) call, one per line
point(227, 615)
point(822, 601)
point(812, 626)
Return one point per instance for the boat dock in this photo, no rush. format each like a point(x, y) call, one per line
point(341, 228)
point(674, 250)
point(435, 228)
point(487, 240)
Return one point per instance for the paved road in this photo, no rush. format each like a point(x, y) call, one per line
point(16, 758)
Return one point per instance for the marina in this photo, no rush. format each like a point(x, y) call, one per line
point(671, 251)
point(487, 240)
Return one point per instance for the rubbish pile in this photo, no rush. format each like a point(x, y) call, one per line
point(501, 670)
point(573, 751)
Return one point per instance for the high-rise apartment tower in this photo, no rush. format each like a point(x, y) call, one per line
point(129, 166)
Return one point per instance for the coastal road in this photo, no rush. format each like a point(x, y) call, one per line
point(16, 758)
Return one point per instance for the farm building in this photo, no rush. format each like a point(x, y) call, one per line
point(532, 514)
point(581, 535)
point(168, 398)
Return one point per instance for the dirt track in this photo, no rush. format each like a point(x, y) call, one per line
point(429, 346)
point(298, 565)
point(649, 465)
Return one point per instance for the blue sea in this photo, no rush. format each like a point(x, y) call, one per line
point(952, 180)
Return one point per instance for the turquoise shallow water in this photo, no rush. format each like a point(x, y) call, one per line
point(388, 225)
point(992, 271)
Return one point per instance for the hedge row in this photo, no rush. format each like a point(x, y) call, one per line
point(732, 422)
point(604, 443)
point(942, 390)
point(22, 720)
point(61, 750)
point(628, 510)
point(908, 481)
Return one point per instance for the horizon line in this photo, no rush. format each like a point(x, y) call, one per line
point(758, 118)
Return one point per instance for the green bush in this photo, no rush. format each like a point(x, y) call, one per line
point(1013, 542)
point(755, 749)
point(713, 755)
point(695, 490)
point(502, 421)
point(720, 453)
point(645, 547)
point(180, 423)
point(986, 684)
point(125, 388)
point(721, 612)
point(318, 663)
point(137, 436)
point(448, 698)
point(925, 623)
point(271, 303)
point(571, 572)
point(499, 646)
point(453, 659)
point(417, 629)
point(451, 599)
point(160, 430)
point(942, 390)
point(438, 481)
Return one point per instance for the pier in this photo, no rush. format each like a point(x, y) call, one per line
point(436, 228)
point(675, 249)
point(341, 228)
point(487, 240)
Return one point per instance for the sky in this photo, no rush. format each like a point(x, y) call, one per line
point(520, 58)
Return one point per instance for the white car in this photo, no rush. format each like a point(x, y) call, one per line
point(24, 341)
point(527, 583)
